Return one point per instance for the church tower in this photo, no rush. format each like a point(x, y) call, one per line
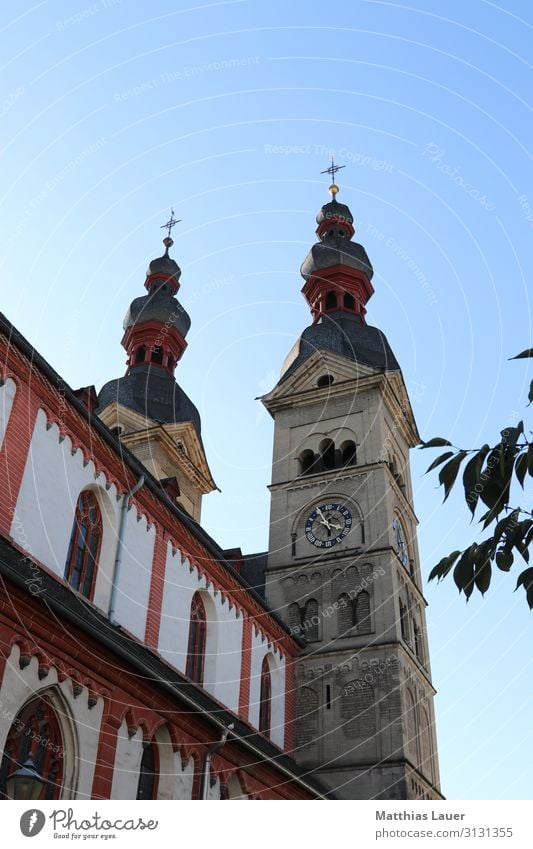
point(147, 408)
point(343, 565)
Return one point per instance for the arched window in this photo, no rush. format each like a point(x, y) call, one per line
point(157, 355)
point(404, 624)
point(85, 543)
point(294, 618)
point(308, 463)
point(362, 612)
point(140, 354)
point(358, 710)
point(265, 698)
point(349, 301)
point(348, 453)
point(418, 642)
point(148, 772)
point(197, 638)
point(307, 711)
point(327, 452)
point(345, 614)
point(310, 620)
point(331, 301)
point(35, 736)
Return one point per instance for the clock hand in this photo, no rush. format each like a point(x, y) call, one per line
point(335, 525)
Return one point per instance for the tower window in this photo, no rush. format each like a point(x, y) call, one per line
point(404, 624)
point(265, 698)
point(308, 462)
point(349, 301)
point(348, 453)
point(325, 380)
point(140, 354)
point(327, 452)
point(331, 301)
point(148, 773)
point(197, 639)
point(85, 542)
point(310, 620)
point(157, 355)
point(362, 612)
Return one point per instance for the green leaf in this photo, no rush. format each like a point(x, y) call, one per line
point(521, 468)
point(448, 473)
point(483, 574)
point(471, 477)
point(530, 460)
point(510, 435)
point(443, 566)
point(525, 579)
point(463, 574)
point(436, 442)
point(523, 355)
point(504, 560)
point(439, 460)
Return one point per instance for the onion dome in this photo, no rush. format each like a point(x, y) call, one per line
point(334, 211)
point(160, 306)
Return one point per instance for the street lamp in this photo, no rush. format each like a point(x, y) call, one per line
point(25, 782)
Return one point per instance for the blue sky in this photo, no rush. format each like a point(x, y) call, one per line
point(114, 111)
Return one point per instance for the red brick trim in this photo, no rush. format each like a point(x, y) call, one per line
point(246, 667)
point(157, 584)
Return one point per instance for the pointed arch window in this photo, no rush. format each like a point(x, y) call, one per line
point(265, 698)
point(197, 640)
point(85, 544)
point(148, 772)
point(35, 735)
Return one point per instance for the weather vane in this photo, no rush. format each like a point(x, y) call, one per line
point(170, 223)
point(333, 170)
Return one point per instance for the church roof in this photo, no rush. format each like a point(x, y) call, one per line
point(336, 250)
point(154, 393)
point(158, 305)
point(347, 336)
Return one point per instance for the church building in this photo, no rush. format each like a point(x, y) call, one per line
point(139, 660)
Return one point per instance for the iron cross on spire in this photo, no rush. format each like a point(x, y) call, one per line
point(170, 223)
point(333, 169)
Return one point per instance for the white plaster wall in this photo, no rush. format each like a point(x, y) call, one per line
point(128, 756)
point(7, 394)
point(222, 671)
point(184, 777)
point(80, 725)
point(277, 673)
point(180, 586)
point(52, 481)
point(133, 586)
point(228, 653)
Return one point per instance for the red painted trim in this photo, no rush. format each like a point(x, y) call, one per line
point(157, 585)
point(246, 668)
point(14, 452)
point(290, 703)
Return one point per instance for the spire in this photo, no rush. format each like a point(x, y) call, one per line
point(156, 324)
point(333, 189)
point(337, 271)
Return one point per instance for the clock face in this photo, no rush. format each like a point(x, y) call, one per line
point(328, 524)
point(399, 542)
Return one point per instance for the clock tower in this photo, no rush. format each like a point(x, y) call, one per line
point(343, 566)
